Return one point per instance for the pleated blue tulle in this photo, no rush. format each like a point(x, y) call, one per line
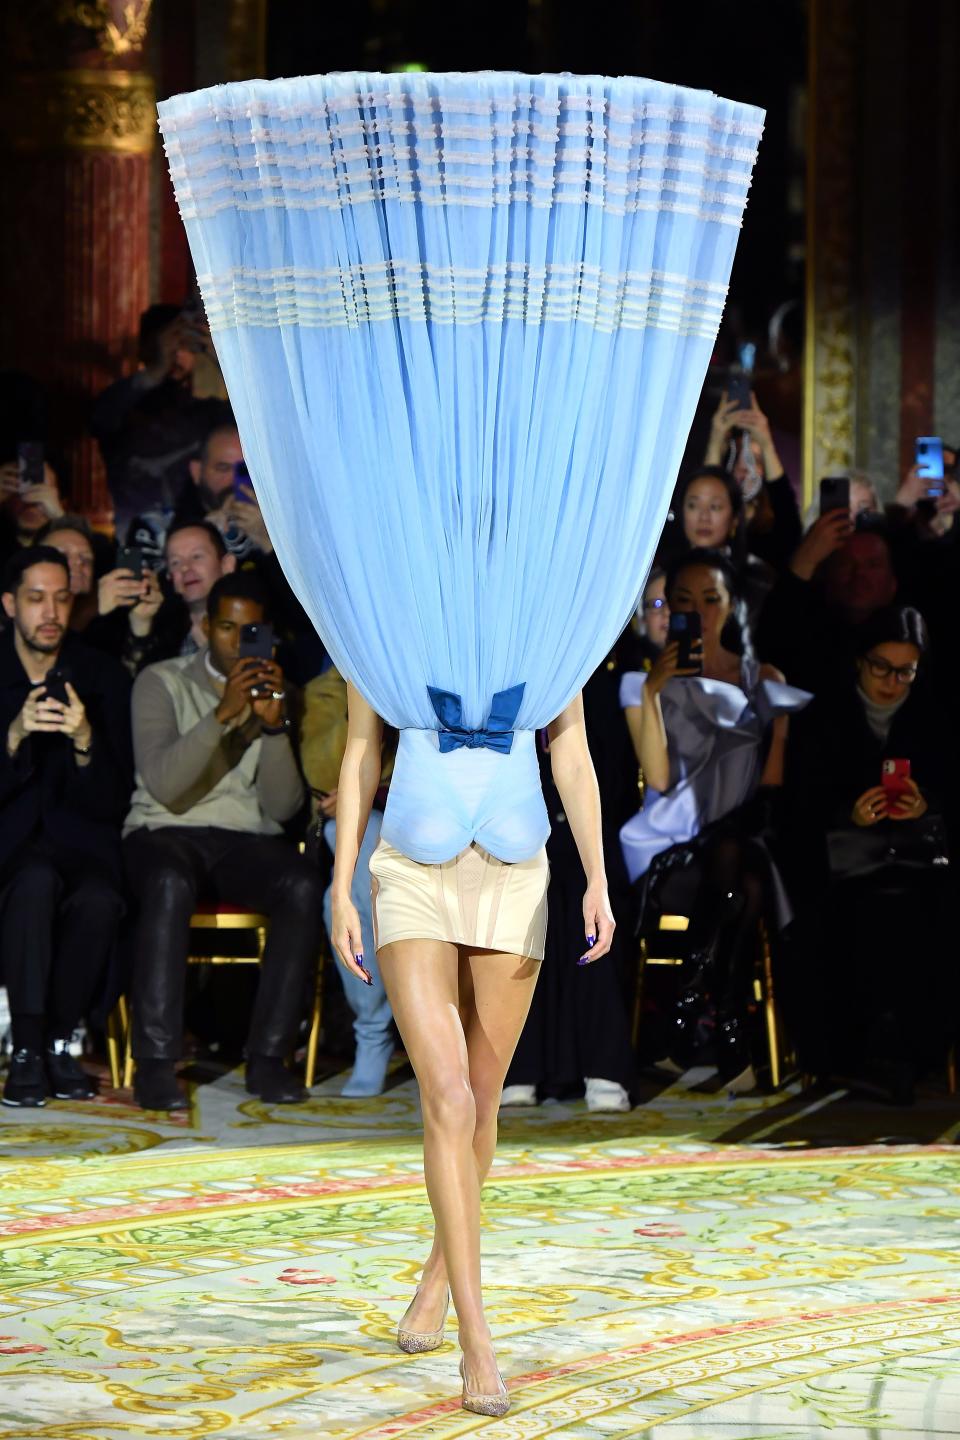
point(464, 321)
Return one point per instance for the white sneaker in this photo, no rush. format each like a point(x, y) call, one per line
point(518, 1095)
point(606, 1095)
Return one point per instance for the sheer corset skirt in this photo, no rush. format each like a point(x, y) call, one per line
point(474, 899)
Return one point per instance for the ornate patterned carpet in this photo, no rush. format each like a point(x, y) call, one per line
point(700, 1267)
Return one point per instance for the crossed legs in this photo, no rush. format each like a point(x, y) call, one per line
point(460, 1012)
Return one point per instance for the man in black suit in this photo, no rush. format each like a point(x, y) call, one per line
point(65, 779)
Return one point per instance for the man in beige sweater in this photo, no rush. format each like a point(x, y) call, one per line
point(216, 779)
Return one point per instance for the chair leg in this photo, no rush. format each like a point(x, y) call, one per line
point(638, 997)
point(115, 1038)
point(770, 1008)
point(314, 1039)
point(128, 1045)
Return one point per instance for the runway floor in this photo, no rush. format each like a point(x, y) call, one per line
point(756, 1269)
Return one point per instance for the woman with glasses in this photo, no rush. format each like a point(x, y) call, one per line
point(871, 779)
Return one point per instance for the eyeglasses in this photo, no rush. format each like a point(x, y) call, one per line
point(654, 604)
point(882, 670)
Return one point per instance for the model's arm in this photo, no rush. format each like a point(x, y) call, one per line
point(359, 778)
point(576, 782)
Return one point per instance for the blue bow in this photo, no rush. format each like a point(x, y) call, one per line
point(499, 732)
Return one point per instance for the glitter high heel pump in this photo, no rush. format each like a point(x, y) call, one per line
point(415, 1342)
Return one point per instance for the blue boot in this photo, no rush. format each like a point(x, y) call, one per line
point(373, 1018)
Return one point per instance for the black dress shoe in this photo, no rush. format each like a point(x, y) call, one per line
point(269, 1078)
point(26, 1080)
point(155, 1086)
point(67, 1080)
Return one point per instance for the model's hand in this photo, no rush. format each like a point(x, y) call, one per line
point(910, 805)
point(348, 937)
point(823, 538)
point(871, 807)
point(598, 922)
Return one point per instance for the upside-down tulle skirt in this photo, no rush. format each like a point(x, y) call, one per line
point(474, 899)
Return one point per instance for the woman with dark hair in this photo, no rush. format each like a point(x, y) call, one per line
point(871, 790)
point(708, 514)
point(711, 739)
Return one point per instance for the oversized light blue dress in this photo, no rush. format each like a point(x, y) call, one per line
point(715, 739)
point(464, 321)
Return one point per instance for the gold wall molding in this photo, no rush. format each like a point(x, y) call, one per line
point(829, 382)
point(111, 110)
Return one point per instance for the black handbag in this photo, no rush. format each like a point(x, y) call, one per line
point(856, 851)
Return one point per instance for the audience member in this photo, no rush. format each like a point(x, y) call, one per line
point(741, 443)
point(65, 778)
point(710, 738)
point(24, 512)
point(709, 507)
point(323, 739)
point(216, 780)
point(646, 635)
point(872, 794)
point(151, 423)
point(577, 1034)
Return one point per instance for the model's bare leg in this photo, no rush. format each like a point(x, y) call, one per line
point(494, 996)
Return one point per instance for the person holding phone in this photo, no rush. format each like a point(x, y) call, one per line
point(709, 728)
point(741, 443)
point(871, 790)
point(216, 781)
point(65, 777)
point(709, 514)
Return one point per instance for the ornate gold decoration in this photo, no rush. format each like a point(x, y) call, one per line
point(119, 28)
point(829, 389)
point(82, 109)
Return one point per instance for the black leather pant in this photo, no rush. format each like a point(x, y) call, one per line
point(169, 871)
point(58, 921)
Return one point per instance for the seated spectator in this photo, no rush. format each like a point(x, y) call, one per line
point(114, 613)
point(151, 423)
point(932, 516)
point(709, 741)
point(322, 742)
point(65, 778)
point(741, 443)
point(213, 495)
point(839, 576)
point(196, 558)
point(216, 780)
point(645, 636)
point(868, 859)
point(709, 508)
point(577, 1034)
point(864, 501)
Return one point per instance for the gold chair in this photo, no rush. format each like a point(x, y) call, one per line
point(222, 919)
point(763, 990)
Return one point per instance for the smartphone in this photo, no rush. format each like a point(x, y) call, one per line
point(834, 493)
point(130, 557)
point(256, 642)
point(686, 629)
point(893, 775)
point(929, 452)
point(242, 484)
point(738, 390)
point(30, 464)
point(55, 685)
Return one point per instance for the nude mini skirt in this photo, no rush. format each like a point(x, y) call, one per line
point(474, 899)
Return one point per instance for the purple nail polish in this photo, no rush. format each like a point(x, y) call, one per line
point(591, 939)
point(583, 960)
point(359, 960)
